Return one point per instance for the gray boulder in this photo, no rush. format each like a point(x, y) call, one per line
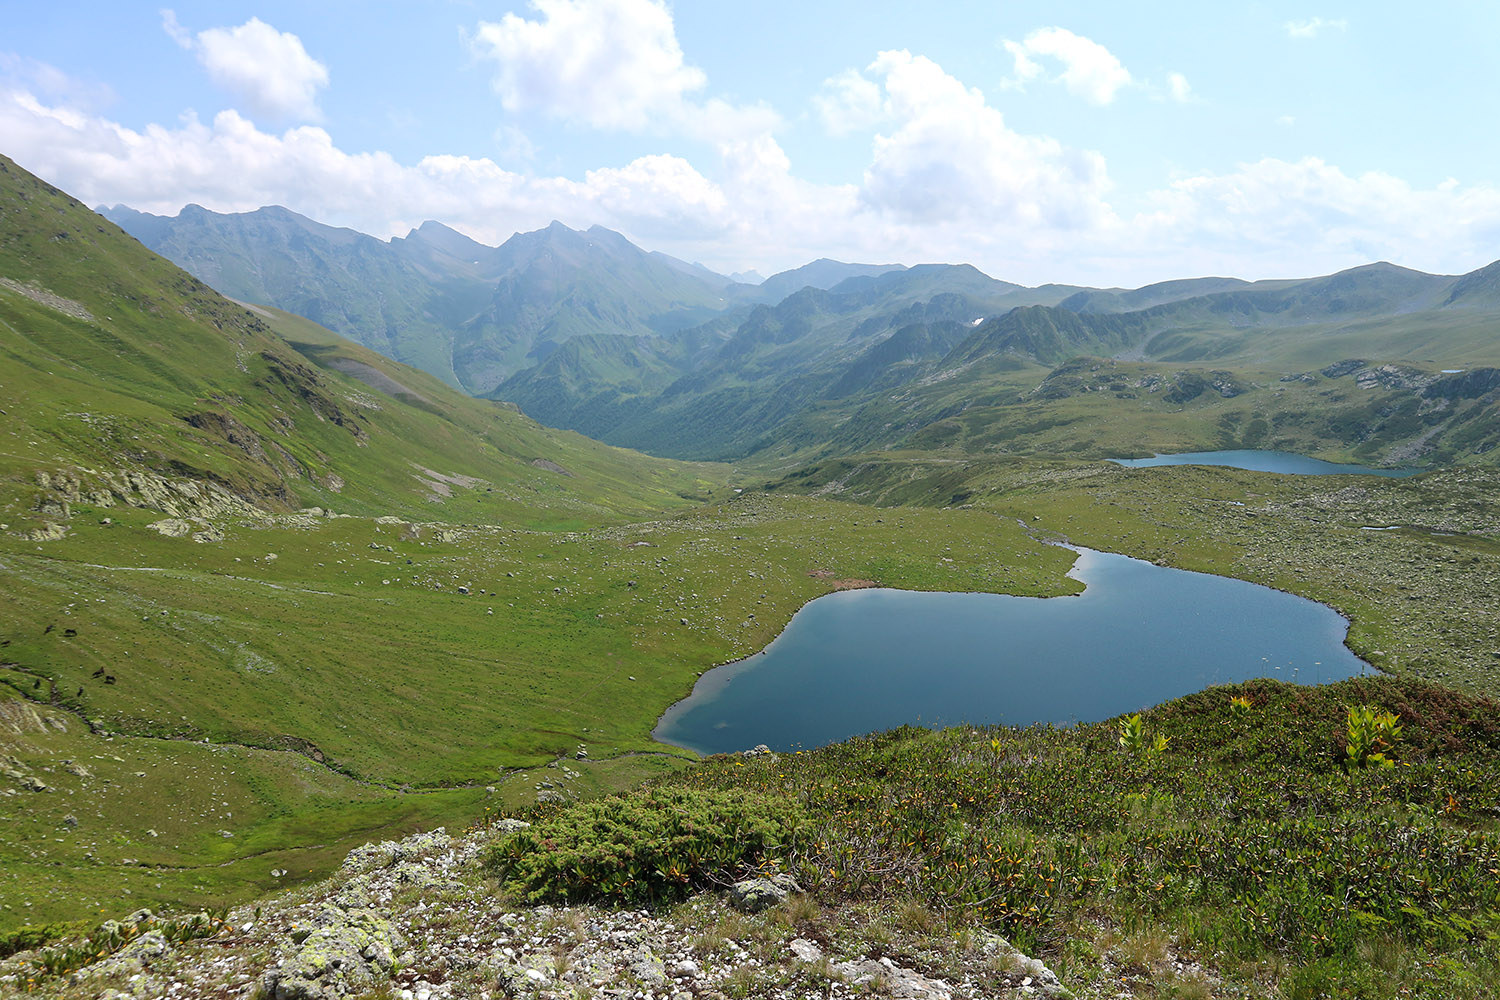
point(755, 894)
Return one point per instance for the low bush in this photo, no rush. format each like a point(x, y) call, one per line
point(647, 846)
point(27, 938)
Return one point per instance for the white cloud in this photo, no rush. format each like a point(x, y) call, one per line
point(1179, 88)
point(612, 64)
point(269, 70)
point(948, 180)
point(951, 156)
point(175, 30)
point(230, 165)
point(1089, 70)
point(1312, 26)
point(609, 64)
point(1309, 216)
point(849, 103)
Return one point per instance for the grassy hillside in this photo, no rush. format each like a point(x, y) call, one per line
point(118, 361)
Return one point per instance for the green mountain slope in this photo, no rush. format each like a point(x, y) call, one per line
point(735, 386)
point(814, 376)
point(117, 362)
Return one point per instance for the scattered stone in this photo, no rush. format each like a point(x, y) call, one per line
point(752, 895)
point(892, 979)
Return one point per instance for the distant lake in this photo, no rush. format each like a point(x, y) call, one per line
point(1265, 461)
point(865, 660)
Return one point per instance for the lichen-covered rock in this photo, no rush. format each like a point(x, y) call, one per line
point(338, 949)
point(647, 967)
point(755, 894)
point(135, 957)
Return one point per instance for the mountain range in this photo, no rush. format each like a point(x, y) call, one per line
point(586, 331)
point(467, 313)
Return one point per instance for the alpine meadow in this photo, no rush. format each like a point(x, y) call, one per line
point(370, 496)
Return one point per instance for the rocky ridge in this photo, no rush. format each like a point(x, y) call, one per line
point(420, 919)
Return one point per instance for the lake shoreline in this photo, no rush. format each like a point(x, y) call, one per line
point(711, 684)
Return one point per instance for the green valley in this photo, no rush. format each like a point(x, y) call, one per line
point(267, 595)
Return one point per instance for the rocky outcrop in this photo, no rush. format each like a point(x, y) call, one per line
point(348, 942)
point(1465, 385)
point(1341, 368)
point(177, 498)
point(1393, 377)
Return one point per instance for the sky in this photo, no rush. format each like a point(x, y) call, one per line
point(1106, 144)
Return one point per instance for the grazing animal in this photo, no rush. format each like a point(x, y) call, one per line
point(68, 633)
point(36, 683)
point(99, 672)
point(80, 693)
point(109, 678)
point(49, 628)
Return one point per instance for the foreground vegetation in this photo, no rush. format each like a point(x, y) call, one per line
point(1237, 850)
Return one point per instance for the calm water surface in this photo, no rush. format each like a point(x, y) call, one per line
point(865, 660)
point(1265, 461)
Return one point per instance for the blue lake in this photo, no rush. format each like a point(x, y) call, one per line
point(1265, 461)
point(865, 660)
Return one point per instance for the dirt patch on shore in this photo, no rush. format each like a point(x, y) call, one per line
point(839, 583)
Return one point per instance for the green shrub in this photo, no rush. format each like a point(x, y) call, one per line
point(27, 938)
point(1371, 734)
point(1133, 736)
point(646, 846)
